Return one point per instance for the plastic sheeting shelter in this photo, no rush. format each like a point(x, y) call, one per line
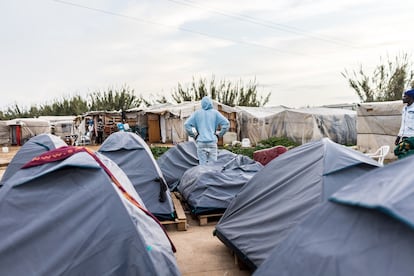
point(32, 148)
point(366, 229)
point(377, 125)
point(210, 188)
point(183, 156)
point(4, 133)
point(61, 126)
point(79, 216)
point(300, 125)
point(22, 129)
point(283, 193)
point(131, 153)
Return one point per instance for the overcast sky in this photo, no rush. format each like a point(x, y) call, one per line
point(294, 49)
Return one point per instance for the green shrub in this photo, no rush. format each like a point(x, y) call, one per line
point(158, 151)
point(263, 144)
point(277, 141)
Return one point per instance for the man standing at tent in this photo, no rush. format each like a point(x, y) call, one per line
point(405, 138)
point(99, 129)
point(202, 126)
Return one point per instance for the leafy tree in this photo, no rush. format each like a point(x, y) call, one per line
point(387, 82)
point(14, 111)
point(111, 100)
point(224, 92)
point(114, 100)
point(65, 106)
point(160, 99)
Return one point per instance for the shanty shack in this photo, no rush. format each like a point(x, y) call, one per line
point(164, 123)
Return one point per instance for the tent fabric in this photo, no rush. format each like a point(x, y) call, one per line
point(183, 156)
point(389, 190)
point(174, 162)
point(210, 188)
point(68, 218)
point(33, 147)
point(283, 193)
point(131, 153)
point(367, 228)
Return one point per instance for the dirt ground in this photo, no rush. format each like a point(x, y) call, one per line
point(199, 253)
point(202, 254)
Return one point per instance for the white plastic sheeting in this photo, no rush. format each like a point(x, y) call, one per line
point(300, 125)
point(4, 133)
point(30, 127)
point(377, 125)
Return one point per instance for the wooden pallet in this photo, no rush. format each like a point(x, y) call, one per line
point(181, 219)
point(205, 219)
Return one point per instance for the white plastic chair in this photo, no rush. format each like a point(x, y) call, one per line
point(380, 154)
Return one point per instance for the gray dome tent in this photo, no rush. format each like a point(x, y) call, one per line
point(78, 214)
point(33, 147)
point(210, 188)
point(183, 156)
point(367, 228)
point(132, 154)
point(174, 162)
point(282, 194)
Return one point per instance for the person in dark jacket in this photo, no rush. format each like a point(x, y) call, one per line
point(99, 131)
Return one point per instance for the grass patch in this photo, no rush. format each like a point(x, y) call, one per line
point(263, 144)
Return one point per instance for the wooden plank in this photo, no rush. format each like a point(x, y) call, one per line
point(205, 219)
point(179, 210)
point(181, 219)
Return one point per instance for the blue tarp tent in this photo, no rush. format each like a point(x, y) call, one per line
point(132, 154)
point(283, 193)
point(34, 147)
point(210, 188)
point(183, 156)
point(367, 228)
point(78, 214)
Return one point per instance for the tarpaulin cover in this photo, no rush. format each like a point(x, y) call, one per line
point(34, 147)
point(180, 158)
point(366, 229)
point(210, 188)
point(131, 153)
point(68, 218)
point(283, 193)
point(174, 162)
